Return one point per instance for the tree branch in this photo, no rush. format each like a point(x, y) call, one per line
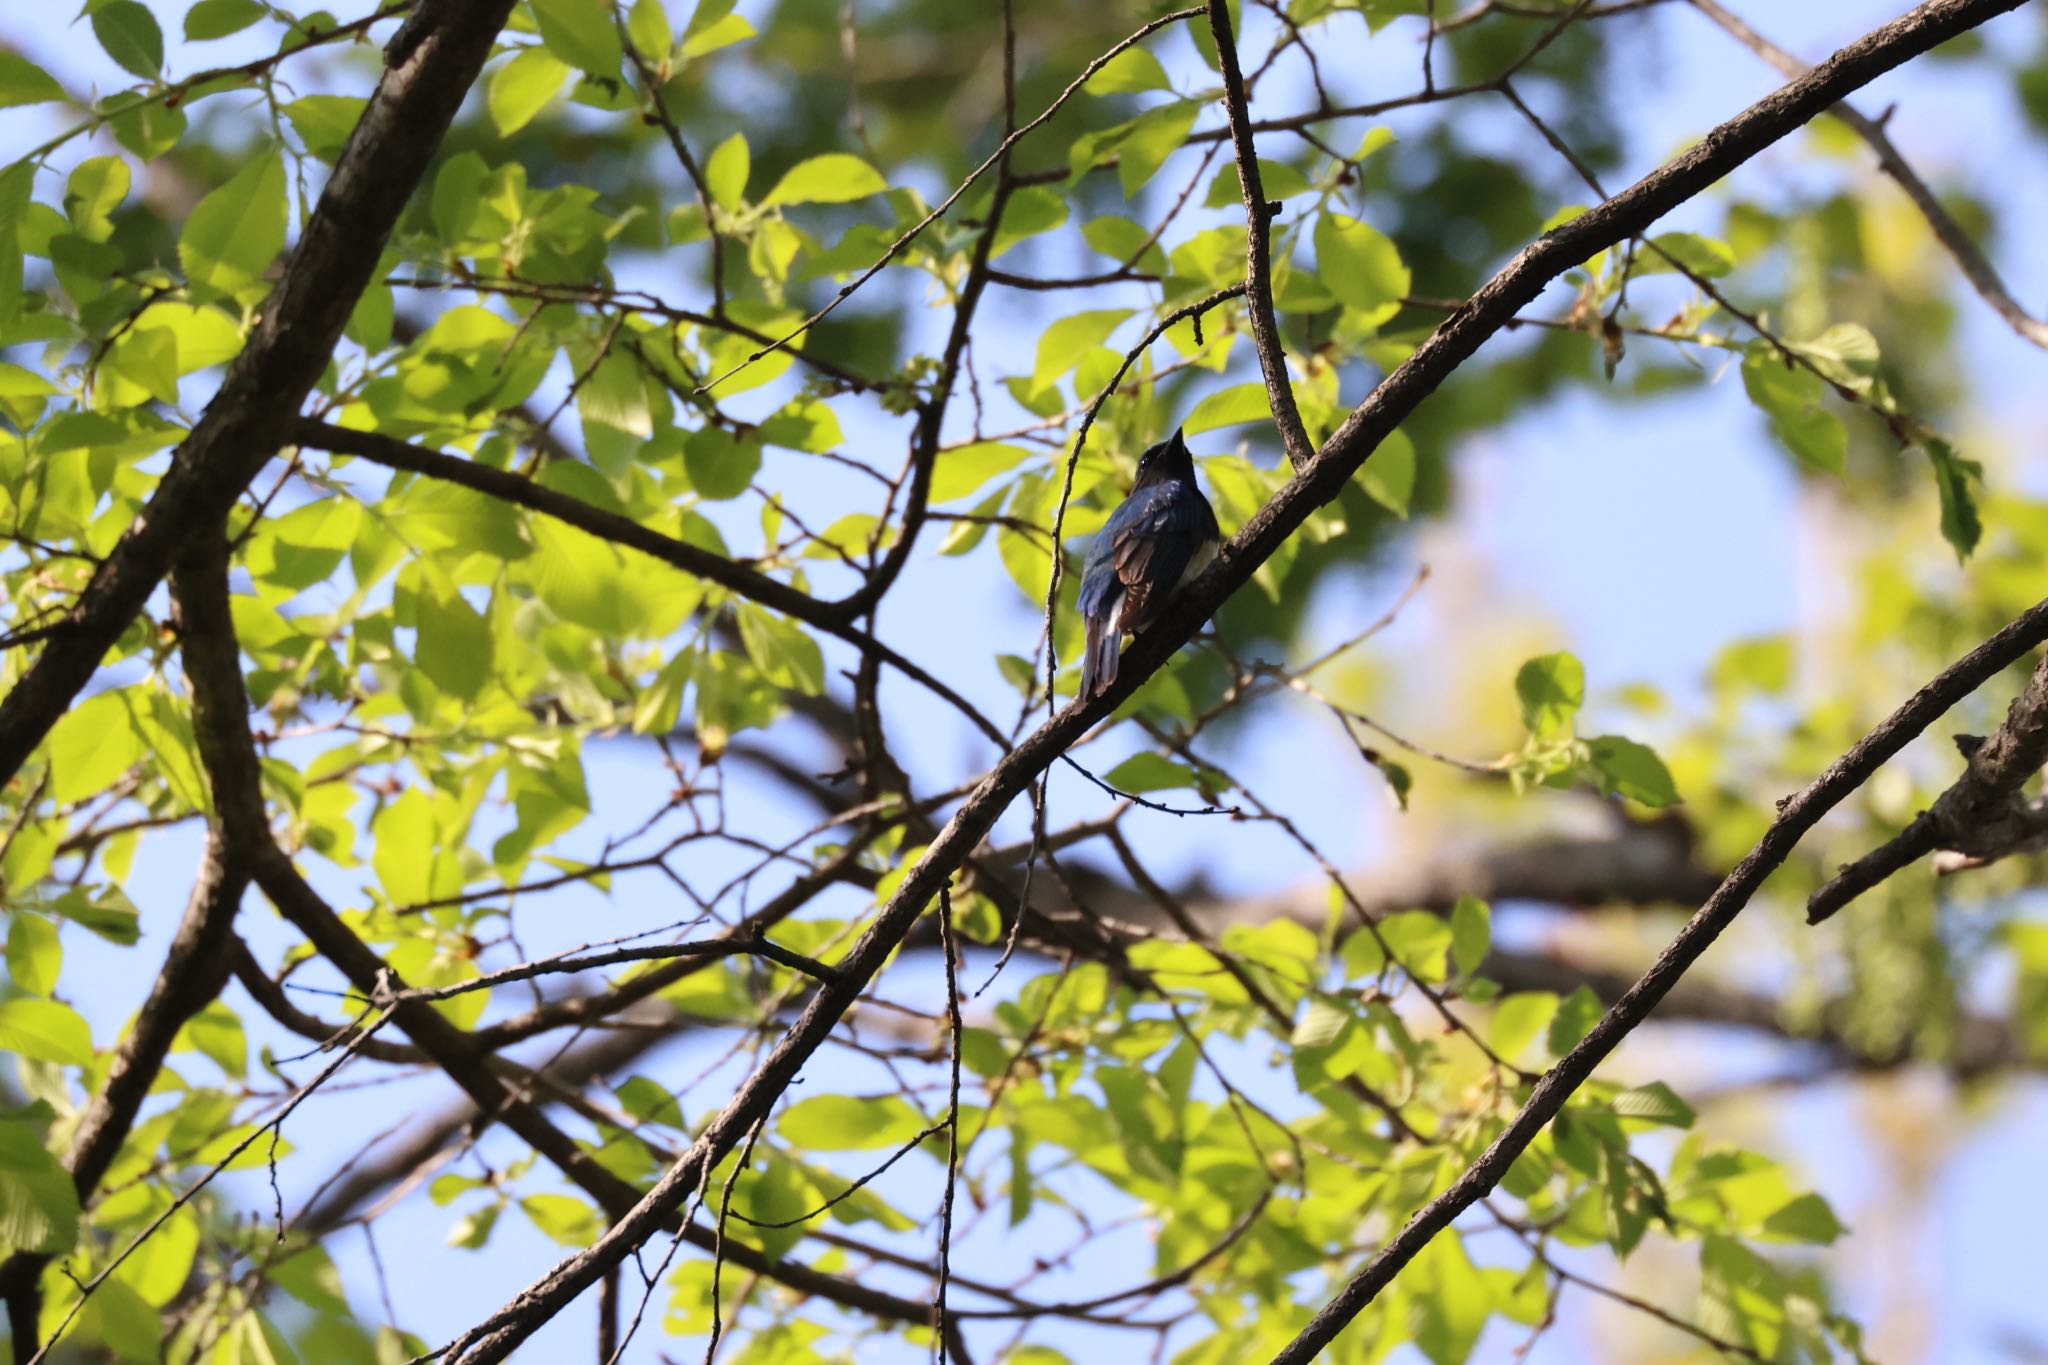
point(1258, 269)
point(435, 58)
point(1980, 815)
point(520, 491)
point(1796, 815)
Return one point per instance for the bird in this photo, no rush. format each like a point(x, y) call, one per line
point(1156, 542)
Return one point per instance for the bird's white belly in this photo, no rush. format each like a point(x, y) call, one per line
point(1203, 557)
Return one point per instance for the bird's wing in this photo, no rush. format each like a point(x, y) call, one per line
point(1152, 539)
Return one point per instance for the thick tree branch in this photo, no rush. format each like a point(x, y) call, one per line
point(1796, 815)
point(434, 60)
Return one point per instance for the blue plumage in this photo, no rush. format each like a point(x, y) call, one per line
point(1163, 535)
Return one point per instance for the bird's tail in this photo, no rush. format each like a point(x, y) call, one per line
point(1099, 659)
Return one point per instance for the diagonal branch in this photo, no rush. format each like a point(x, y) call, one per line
point(1628, 213)
point(1979, 816)
point(1973, 263)
point(1796, 815)
point(1258, 270)
point(433, 62)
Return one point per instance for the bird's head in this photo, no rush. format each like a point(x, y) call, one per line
point(1170, 459)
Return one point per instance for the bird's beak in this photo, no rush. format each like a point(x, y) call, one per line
point(1179, 443)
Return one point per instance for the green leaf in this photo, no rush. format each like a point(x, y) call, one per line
point(129, 1324)
point(45, 1031)
point(780, 648)
point(38, 1200)
point(567, 1219)
point(1702, 256)
point(16, 184)
point(234, 234)
point(218, 1035)
point(1418, 940)
point(719, 464)
point(1388, 475)
point(1124, 240)
point(647, 25)
point(130, 35)
point(1228, 407)
point(211, 19)
point(148, 128)
point(580, 32)
point(1761, 664)
point(324, 122)
point(1130, 72)
point(1451, 1311)
point(615, 396)
point(1517, 1020)
point(310, 1276)
point(726, 171)
point(1319, 1025)
point(1278, 179)
point(1957, 480)
point(34, 954)
point(1149, 772)
point(712, 27)
point(1845, 354)
point(1154, 135)
point(834, 178)
point(1792, 397)
point(1356, 262)
point(849, 1123)
point(1575, 1017)
point(592, 583)
point(522, 87)
point(23, 82)
point(1551, 688)
point(1806, 1219)
point(1061, 346)
point(454, 643)
point(1032, 209)
point(304, 546)
point(1471, 934)
point(1655, 1103)
point(1626, 768)
point(472, 1230)
point(91, 745)
point(404, 832)
point(160, 1267)
point(456, 201)
point(965, 469)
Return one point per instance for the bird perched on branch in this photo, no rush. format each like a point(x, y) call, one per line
point(1159, 540)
